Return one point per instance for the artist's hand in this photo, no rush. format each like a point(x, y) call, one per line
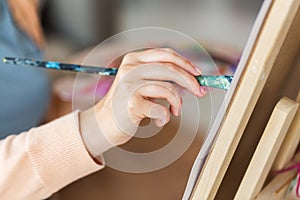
point(25, 15)
point(142, 78)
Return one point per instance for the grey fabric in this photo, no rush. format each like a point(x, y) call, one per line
point(24, 91)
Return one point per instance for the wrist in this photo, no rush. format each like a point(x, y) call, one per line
point(118, 131)
point(95, 141)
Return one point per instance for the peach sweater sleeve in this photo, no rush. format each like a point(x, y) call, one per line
point(37, 163)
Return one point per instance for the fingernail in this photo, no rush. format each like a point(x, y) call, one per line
point(179, 112)
point(198, 91)
point(203, 90)
point(176, 113)
point(163, 122)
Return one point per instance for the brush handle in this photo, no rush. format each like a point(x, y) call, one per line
point(220, 82)
point(62, 66)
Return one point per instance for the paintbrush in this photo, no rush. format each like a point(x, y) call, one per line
point(220, 82)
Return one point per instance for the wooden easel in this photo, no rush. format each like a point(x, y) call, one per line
point(272, 71)
point(267, 149)
point(277, 187)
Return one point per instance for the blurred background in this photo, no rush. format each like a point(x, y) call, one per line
point(72, 26)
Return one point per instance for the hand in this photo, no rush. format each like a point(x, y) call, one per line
point(25, 15)
point(142, 78)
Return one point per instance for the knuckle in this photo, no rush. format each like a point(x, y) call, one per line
point(124, 68)
point(170, 88)
point(168, 49)
point(166, 112)
point(187, 63)
point(125, 86)
point(172, 67)
point(131, 109)
point(175, 100)
point(171, 56)
point(128, 58)
point(147, 89)
point(167, 55)
point(149, 50)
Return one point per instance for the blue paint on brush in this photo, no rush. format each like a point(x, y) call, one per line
point(220, 82)
point(61, 66)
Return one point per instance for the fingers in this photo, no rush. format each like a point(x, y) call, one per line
point(162, 56)
point(198, 70)
point(154, 72)
point(164, 65)
point(171, 73)
point(143, 106)
point(158, 109)
point(155, 111)
point(163, 90)
point(161, 72)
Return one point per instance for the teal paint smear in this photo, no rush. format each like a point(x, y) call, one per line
point(220, 82)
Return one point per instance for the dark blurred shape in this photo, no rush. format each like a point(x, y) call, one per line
point(83, 23)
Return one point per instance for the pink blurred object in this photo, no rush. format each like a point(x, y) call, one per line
point(293, 190)
point(100, 89)
point(86, 88)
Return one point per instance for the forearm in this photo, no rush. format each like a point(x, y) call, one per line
point(39, 162)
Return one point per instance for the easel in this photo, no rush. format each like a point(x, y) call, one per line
point(277, 187)
point(271, 73)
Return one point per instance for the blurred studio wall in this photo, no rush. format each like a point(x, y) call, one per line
point(71, 25)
